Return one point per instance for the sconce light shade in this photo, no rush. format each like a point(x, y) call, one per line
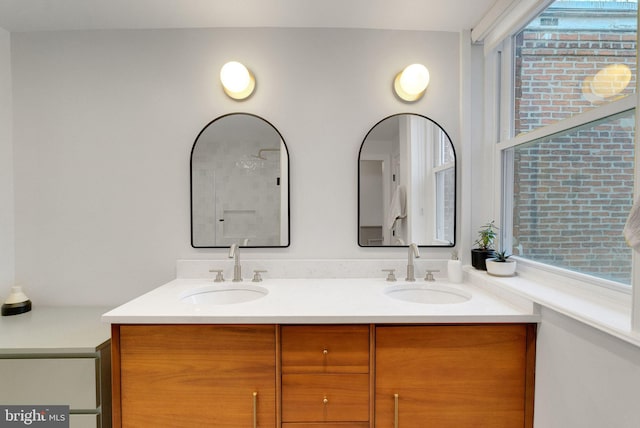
point(411, 83)
point(237, 81)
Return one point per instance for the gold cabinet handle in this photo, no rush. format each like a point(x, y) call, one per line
point(255, 410)
point(395, 412)
point(325, 351)
point(325, 400)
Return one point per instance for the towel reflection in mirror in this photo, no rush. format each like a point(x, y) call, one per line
point(397, 211)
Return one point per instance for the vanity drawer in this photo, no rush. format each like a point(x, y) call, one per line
point(325, 397)
point(327, 425)
point(62, 381)
point(325, 349)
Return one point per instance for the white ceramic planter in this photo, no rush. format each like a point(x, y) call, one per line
point(495, 268)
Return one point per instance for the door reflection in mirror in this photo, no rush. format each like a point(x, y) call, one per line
point(406, 184)
point(239, 184)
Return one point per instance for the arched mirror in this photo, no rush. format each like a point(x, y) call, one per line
point(239, 184)
point(406, 184)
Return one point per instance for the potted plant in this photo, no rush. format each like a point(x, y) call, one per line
point(500, 265)
point(484, 246)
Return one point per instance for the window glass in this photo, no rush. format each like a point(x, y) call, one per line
point(445, 193)
point(443, 151)
point(572, 193)
point(445, 183)
point(574, 56)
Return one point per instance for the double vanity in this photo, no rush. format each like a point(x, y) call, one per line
point(319, 343)
point(321, 353)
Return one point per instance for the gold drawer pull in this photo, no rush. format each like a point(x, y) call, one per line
point(325, 352)
point(255, 410)
point(325, 400)
point(395, 412)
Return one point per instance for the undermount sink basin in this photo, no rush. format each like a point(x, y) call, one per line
point(224, 294)
point(427, 293)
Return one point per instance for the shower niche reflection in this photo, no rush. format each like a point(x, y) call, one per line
point(239, 184)
point(406, 184)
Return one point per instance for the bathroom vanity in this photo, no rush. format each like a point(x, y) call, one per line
point(321, 353)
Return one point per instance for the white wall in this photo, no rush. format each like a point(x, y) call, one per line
point(6, 169)
point(584, 378)
point(105, 121)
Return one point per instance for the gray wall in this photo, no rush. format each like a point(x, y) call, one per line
point(6, 167)
point(584, 378)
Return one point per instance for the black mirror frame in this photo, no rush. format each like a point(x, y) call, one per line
point(288, 184)
point(455, 190)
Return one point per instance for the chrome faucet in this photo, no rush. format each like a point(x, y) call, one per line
point(234, 252)
point(413, 252)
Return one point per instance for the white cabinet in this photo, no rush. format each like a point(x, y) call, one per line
point(58, 356)
point(64, 381)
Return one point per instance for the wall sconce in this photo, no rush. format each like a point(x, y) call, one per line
point(411, 83)
point(237, 81)
point(606, 83)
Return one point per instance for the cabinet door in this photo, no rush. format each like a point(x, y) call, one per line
point(451, 376)
point(197, 376)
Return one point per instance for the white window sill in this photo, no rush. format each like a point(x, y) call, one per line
point(604, 309)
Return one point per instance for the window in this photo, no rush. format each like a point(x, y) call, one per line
point(569, 169)
point(573, 57)
point(445, 184)
point(572, 194)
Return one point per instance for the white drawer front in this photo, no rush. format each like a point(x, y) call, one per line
point(83, 421)
point(42, 381)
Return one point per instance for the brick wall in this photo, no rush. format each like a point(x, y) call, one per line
point(574, 191)
point(551, 67)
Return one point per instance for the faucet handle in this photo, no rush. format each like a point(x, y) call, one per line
point(429, 277)
point(391, 276)
point(219, 277)
point(256, 275)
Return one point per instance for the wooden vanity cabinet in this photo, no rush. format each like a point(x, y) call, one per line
point(454, 376)
point(326, 376)
point(194, 375)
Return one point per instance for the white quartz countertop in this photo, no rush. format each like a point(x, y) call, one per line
point(316, 301)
